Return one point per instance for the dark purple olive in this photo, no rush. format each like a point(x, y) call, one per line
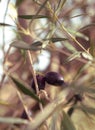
point(78, 97)
point(40, 81)
point(24, 115)
point(54, 78)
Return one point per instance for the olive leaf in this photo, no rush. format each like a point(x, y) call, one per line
point(23, 45)
point(32, 16)
point(66, 123)
point(72, 57)
point(56, 39)
point(87, 109)
point(87, 26)
point(5, 24)
point(21, 86)
point(12, 120)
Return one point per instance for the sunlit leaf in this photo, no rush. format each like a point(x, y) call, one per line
point(32, 16)
point(66, 123)
point(70, 47)
point(23, 45)
point(24, 89)
point(72, 57)
point(13, 120)
point(87, 56)
point(81, 35)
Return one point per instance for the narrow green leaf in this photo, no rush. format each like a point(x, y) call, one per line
point(32, 16)
point(72, 57)
point(78, 15)
point(87, 26)
point(81, 35)
point(24, 89)
point(92, 48)
point(38, 43)
point(13, 120)
point(66, 123)
point(5, 24)
point(23, 45)
point(56, 39)
point(87, 109)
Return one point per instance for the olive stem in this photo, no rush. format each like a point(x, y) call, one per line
point(33, 72)
point(36, 84)
point(35, 80)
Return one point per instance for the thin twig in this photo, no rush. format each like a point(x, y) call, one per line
point(36, 84)
point(33, 72)
point(25, 107)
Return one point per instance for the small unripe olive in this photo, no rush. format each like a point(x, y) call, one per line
point(40, 82)
point(54, 78)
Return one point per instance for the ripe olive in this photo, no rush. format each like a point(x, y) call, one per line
point(78, 97)
point(54, 78)
point(24, 115)
point(40, 81)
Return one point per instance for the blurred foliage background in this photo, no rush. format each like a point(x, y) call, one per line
point(60, 36)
